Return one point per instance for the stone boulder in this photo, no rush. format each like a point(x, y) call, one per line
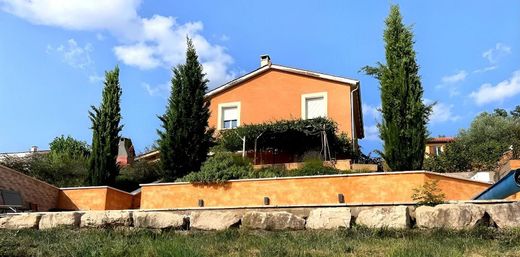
point(158, 220)
point(453, 216)
point(21, 221)
point(329, 218)
point(385, 217)
point(101, 219)
point(504, 215)
point(272, 221)
point(60, 219)
point(214, 220)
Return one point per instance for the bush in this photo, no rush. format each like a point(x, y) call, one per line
point(220, 168)
point(137, 173)
point(224, 166)
point(291, 136)
point(269, 172)
point(314, 167)
point(428, 194)
point(55, 169)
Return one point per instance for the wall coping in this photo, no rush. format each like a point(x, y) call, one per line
point(327, 176)
point(94, 187)
point(374, 204)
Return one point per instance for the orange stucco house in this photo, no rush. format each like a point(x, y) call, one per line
point(276, 92)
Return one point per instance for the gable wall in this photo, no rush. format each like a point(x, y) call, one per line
point(276, 95)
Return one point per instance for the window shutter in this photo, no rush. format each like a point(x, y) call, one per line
point(315, 107)
point(229, 113)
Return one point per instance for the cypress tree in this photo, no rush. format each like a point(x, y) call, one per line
point(185, 139)
point(103, 167)
point(404, 115)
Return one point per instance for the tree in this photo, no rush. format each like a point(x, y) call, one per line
point(404, 115)
point(66, 164)
point(103, 167)
point(481, 145)
point(500, 112)
point(516, 112)
point(69, 147)
point(186, 137)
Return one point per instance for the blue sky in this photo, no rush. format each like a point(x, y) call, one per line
point(53, 55)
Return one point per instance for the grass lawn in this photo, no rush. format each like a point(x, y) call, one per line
point(236, 242)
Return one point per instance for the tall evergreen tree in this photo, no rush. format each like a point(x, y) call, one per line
point(404, 115)
point(103, 167)
point(185, 139)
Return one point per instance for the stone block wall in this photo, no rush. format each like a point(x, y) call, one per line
point(448, 216)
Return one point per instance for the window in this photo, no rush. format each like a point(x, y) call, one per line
point(314, 105)
point(228, 115)
point(438, 150)
point(435, 150)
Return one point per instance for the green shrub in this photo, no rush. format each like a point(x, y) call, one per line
point(269, 172)
point(428, 194)
point(313, 167)
point(288, 136)
point(219, 168)
point(137, 173)
point(55, 169)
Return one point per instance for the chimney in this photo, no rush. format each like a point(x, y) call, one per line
point(265, 60)
point(34, 149)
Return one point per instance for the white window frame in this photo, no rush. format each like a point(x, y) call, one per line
point(314, 95)
point(221, 113)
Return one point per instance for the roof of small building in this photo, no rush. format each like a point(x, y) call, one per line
point(437, 140)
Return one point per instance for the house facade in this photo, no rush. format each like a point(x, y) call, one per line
point(275, 92)
point(435, 146)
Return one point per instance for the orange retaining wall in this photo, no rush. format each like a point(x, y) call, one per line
point(94, 198)
point(318, 190)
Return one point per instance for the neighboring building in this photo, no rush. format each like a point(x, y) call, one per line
point(275, 92)
point(125, 155)
point(437, 145)
point(126, 152)
point(34, 150)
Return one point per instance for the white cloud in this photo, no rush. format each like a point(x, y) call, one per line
point(457, 77)
point(100, 37)
point(372, 133)
point(371, 111)
point(486, 69)
point(159, 90)
point(146, 43)
point(441, 112)
point(451, 82)
point(494, 54)
point(139, 55)
point(73, 54)
point(95, 78)
point(75, 14)
point(224, 38)
point(488, 93)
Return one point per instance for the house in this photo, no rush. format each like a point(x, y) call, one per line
point(437, 145)
point(275, 92)
point(33, 150)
